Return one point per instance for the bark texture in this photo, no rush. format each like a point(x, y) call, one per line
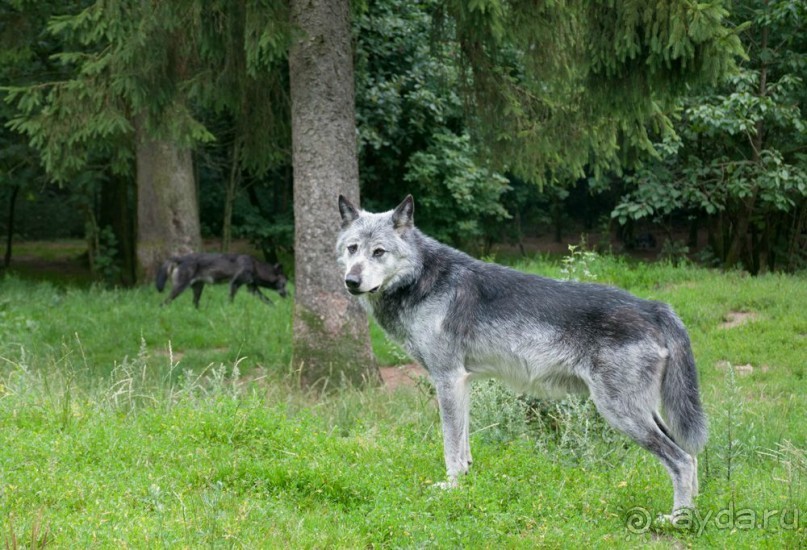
point(331, 334)
point(167, 206)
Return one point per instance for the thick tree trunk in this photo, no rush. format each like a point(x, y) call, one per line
point(167, 206)
point(331, 335)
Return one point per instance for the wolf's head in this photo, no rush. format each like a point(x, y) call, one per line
point(271, 276)
point(280, 280)
point(373, 248)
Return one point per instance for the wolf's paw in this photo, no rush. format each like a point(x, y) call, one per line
point(681, 517)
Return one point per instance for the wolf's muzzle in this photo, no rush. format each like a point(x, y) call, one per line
point(353, 282)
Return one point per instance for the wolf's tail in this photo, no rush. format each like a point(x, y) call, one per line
point(679, 387)
point(162, 274)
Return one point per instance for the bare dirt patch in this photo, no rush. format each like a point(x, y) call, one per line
point(740, 370)
point(734, 319)
point(174, 355)
point(402, 375)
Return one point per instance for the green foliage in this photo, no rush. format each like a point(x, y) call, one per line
point(276, 235)
point(241, 88)
point(104, 262)
point(85, 77)
point(684, 179)
point(737, 156)
point(411, 127)
point(497, 416)
point(453, 189)
point(452, 98)
point(560, 88)
point(24, 60)
point(674, 251)
point(85, 114)
point(577, 265)
point(127, 63)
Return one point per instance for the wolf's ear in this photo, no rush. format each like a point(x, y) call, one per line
point(348, 211)
point(403, 216)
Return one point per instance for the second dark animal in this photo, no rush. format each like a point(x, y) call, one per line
point(196, 269)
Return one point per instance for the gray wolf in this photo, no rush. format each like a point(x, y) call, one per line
point(195, 270)
point(464, 319)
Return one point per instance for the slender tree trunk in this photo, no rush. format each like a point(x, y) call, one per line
point(167, 206)
point(229, 199)
point(694, 227)
point(753, 253)
point(116, 211)
point(797, 243)
point(739, 231)
point(331, 334)
point(12, 205)
point(745, 211)
point(557, 218)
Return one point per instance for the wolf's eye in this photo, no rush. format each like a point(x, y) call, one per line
point(352, 248)
point(378, 252)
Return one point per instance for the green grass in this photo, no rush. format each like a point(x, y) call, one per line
point(93, 330)
point(124, 424)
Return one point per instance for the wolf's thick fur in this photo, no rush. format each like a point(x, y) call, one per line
point(195, 270)
point(464, 319)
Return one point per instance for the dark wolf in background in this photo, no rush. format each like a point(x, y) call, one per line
point(464, 319)
point(195, 270)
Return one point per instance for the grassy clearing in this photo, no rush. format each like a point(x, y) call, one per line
point(91, 331)
point(129, 425)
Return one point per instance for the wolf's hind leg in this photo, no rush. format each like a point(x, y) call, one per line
point(622, 412)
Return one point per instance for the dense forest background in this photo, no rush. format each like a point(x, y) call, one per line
point(724, 174)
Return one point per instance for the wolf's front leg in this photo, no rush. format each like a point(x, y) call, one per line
point(453, 396)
